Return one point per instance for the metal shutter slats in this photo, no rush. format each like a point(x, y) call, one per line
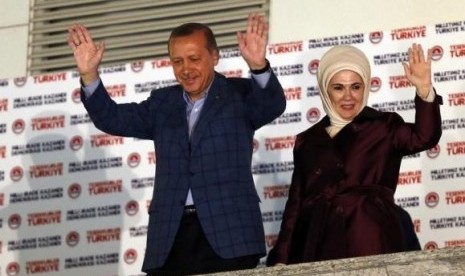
point(132, 29)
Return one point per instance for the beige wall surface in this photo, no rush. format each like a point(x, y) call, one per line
point(289, 20)
point(14, 20)
point(292, 20)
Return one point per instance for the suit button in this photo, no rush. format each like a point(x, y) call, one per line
point(339, 210)
point(318, 171)
point(340, 165)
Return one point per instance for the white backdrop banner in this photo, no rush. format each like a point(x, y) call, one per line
point(73, 200)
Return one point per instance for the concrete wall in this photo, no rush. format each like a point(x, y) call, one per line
point(14, 26)
point(290, 20)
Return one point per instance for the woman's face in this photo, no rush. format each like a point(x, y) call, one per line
point(345, 91)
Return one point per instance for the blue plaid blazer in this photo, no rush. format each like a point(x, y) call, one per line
point(215, 164)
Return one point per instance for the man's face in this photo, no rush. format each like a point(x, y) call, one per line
point(193, 64)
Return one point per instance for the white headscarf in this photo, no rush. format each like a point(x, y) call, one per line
point(336, 59)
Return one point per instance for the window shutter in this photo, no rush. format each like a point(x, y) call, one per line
point(132, 29)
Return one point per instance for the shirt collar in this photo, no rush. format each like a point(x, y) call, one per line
point(203, 95)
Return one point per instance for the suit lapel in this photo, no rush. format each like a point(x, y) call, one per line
point(216, 98)
point(179, 121)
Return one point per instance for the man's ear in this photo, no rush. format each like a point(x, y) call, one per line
point(216, 56)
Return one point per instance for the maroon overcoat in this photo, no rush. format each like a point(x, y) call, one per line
point(341, 199)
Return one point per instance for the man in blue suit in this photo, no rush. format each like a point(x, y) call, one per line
point(204, 214)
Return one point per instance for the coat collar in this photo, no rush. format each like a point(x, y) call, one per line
point(317, 133)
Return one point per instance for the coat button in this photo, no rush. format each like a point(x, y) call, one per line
point(340, 165)
point(339, 210)
point(318, 171)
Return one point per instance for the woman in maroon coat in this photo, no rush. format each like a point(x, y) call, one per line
point(341, 199)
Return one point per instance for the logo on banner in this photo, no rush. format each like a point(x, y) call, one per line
point(133, 160)
point(132, 207)
point(396, 82)
point(161, 63)
point(16, 173)
point(14, 221)
point(130, 256)
point(18, 126)
point(432, 199)
point(293, 93)
point(2, 152)
point(313, 115)
point(457, 50)
point(431, 245)
point(44, 218)
point(3, 82)
point(100, 140)
point(72, 239)
point(12, 269)
point(46, 123)
point(137, 66)
point(408, 33)
point(283, 48)
point(456, 148)
point(376, 37)
point(375, 84)
point(455, 197)
point(433, 152)
point(255, 145)
point(116, 90)
point(436, 53)
point(20, 82)
point(42, 266)
point(2, 200)
point(276, 191)
point(105, 187)
point(74, 190)
point(104, 235)
point(279, 143)
point(55, 77)
point(313, 66)
point(409, 177)
point(76, 95)
point(151, 158)
point(76, 142)
point(454, 243)
point(456, 99)
point(46, 170)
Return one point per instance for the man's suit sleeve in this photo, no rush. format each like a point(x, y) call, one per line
point(129, 120)
point(267, 103)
